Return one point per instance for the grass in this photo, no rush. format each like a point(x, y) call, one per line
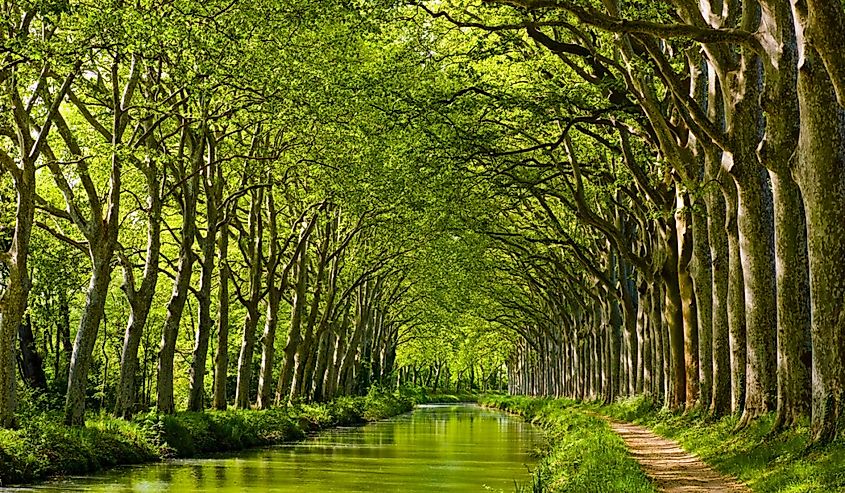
point(44, 447)
point(785, 462)
point(782, 462)
point(582, 455)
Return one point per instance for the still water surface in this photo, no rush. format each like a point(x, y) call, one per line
point(436, 448)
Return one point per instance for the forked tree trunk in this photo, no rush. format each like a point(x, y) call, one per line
point(179, 295)
point(14, 296)
point(213, 186)
point(140, 299)
point(175, 307)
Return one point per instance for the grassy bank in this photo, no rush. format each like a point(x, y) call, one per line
point(43, 447)
point(582, 455)
point(782, 462)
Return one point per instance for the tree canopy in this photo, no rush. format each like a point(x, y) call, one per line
point(259, 202)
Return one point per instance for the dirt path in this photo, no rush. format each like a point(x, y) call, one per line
point(672, 469)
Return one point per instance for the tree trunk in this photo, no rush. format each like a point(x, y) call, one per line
point(325, 358)
point(283, 387)
point(31, 363)
point(674, 317)
point(13, 299)
point(793, 296)
point(333, 370)
point(656, 324)
point(756, 237)
point(221, 357)
point(268, 350)
point(189, 187)
point(689, 311)
point(735, 299)
point(86, 336)
point(274, 298)
point(126, 389)
point(213, 186)
point(820, 173)
point(720, 403)
point(175, 308)
point(702, 272)
point(776, 152)
point(254, 242)
point(140, 299)
point(14, 296)
point(301, 387)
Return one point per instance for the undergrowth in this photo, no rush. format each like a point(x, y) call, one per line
point(42, 446)
point(582, 455)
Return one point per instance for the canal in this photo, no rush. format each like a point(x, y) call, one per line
point(442, 448)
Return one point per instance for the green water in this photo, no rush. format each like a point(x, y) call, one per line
point(436, 448)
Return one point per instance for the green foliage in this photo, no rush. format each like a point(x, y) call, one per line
point(45, 447)
point(421, 395)
point(450, 398)
point(379, 405)
point(188, 434)
point(583, 453)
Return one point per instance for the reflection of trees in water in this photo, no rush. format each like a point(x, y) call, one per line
point(446, 449)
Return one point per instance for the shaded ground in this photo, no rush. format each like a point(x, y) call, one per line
point(672, 469)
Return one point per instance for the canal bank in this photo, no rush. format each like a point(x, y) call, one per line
point(450, 448)
point(43, 447)
point(582, 454)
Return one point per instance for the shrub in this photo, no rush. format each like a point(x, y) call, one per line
point(44, 446)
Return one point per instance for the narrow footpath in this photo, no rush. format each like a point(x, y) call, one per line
point(672, 468)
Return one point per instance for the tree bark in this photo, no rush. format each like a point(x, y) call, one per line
point(254, 258)
point(175, 307)
point(756, 237)
point(213, 187)
point(221, 356)
point(820, 174)
point(674, 317)
point(31, 363)
point(140, 299)
point(86, 336)
point(689, 312)
point(283, 386)
point(14, 297)
point(735, 299)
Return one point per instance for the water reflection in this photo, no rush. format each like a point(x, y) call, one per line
point(455, 448)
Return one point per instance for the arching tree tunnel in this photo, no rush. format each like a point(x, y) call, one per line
point(251, 204)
